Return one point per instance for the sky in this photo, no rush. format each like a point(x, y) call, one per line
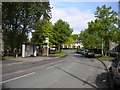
point(78, 13)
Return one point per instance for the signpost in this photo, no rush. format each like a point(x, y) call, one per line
point(47, 41)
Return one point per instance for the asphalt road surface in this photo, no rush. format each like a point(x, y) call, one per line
point(72, 71)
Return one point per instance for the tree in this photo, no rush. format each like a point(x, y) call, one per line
point(43, 29)
point(18, 17)
point(105, 24)
point(103, 29)
point(62, 32)
point(90, 40)
point(69, 41)
point(75, 36)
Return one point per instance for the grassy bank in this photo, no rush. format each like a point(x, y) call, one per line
point(8, 57)
point(102, 57)
point(59, 54)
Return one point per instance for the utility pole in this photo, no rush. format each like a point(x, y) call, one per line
point(47, 41)
point(1, 43)
point(102, 46)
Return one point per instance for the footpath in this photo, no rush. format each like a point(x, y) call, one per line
point(20, 60)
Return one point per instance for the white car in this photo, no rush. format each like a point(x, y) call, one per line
point(52, 49)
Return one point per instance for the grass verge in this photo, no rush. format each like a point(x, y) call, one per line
point(104, 58)
point(8, 57)
point(98, 55)
point(59, 54)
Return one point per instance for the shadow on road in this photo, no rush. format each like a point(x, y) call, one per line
point(102, 80)
point(78, 78)
point(89, 65)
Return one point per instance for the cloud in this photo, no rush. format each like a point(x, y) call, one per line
point(77, 19)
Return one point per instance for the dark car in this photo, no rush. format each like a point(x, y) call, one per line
point(84, 51)
point(89, 53)
point(115, 71)
point(80, 50)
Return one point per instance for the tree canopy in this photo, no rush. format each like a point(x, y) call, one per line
point(62, 32)
point(104, 27)
point(43, 28)
point(17, 19)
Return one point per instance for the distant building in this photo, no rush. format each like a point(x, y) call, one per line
point(113, 45)
point(76, 44)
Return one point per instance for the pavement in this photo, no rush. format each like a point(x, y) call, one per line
point(20, 60)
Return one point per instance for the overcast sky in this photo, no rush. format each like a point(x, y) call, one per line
point(76, 13)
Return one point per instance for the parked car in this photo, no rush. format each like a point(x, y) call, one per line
point(89, 53)
point(84, 51)
point(80, 50)
point(115, 71)
point(52, 49)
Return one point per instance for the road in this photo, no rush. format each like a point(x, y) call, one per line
point(72, 71)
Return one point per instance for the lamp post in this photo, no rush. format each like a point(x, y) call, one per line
point(47, 41)
point(102, 46)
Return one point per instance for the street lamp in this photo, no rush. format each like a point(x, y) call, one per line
point(47, 41)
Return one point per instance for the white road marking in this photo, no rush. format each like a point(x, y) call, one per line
point(17, 77)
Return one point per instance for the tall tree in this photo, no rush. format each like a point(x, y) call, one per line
point(17, 19)
point(62, 32)
point(69, 41)
point(90, 40)
point(106, 22)
point(75, 36)
point(43, 29)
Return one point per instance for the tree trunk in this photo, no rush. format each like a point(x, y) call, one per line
point(60, 48)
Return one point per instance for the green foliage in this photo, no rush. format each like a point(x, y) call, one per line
point(75, 37)
point(62, 32)
point(105, 58)
point(106, 21)
point(59, 54)
point(7, 57)
point(90, 40)
point(17, 19)
point(43, 29)
point(69, 41)
point(103, 28)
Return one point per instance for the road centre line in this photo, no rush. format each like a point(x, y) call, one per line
point(18, 77)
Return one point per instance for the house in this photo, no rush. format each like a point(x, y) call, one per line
point(113, 45)
point(76, 44)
